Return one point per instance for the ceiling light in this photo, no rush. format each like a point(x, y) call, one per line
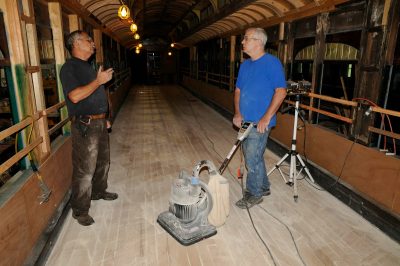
point(140, 45)
point(169, 53)
point(137, 51)
point(172, 44)
point(124, 12)
point(136, 36)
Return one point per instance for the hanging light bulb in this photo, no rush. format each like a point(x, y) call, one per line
point(136, 36)
point(140, 45)
point(124, 12)
point(169, 53)
point(133, 27)
point(137, 51)
point(172, 44)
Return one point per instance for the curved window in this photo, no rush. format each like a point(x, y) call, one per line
point(333, 51)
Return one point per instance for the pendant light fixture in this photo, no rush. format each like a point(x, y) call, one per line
point(123, 11)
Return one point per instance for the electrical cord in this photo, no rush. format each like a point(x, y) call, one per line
point(249, 214)
point(371, 103)
point(305, 156)
point(242, 188)
point(43, 186)
point(288, 229)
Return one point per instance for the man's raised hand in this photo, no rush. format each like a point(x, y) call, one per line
point(104, 76)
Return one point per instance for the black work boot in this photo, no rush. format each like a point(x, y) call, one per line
point(83, 218)
point(105, 196)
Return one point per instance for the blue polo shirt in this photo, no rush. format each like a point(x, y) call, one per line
point(257, 81)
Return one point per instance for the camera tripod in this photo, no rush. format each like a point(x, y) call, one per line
point(293, 174)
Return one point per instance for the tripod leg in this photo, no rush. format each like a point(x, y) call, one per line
point(293, 176)
point(292, 169)
point(277, 165)
point(303, 165)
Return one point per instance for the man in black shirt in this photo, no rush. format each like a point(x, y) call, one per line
point(87, 106)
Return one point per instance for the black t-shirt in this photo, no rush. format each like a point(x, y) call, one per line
point(75, 73)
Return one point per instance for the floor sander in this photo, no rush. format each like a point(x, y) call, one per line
point(196, 209)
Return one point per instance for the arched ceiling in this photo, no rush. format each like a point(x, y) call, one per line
point(187, 22)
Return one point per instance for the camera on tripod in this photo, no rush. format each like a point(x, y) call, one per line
point(301, 87)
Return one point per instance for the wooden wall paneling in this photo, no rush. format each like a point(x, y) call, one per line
point(23, 219)
point(372, 173)
point(14, 231)
point(396, 196)
point(56, 173)
point(305, 28)
point(350, 19)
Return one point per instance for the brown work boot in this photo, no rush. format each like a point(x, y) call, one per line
point(83, 218)
point(105, 196)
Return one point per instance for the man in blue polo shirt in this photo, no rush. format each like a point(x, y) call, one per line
point(260, 90)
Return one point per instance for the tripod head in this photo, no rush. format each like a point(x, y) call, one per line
point(298, 88)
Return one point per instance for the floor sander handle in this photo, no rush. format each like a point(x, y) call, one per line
point(244, 131)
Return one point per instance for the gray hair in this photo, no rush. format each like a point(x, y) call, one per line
point(260, 34)
point(72, 37)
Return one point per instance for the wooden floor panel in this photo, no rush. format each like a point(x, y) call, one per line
point(162, 130)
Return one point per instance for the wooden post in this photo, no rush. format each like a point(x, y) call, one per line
point(98, 41)
point(282, 44)
point(371, 64)
point(59, 54)
point(36, 84)
point(232, 64)
point(73, 23)
point(34, 55)
point(321, 29)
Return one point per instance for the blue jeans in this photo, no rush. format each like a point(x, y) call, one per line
point(253, 149)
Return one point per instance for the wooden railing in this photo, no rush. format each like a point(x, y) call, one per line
point(351, 118)
point(41, 119)
point(327, 113)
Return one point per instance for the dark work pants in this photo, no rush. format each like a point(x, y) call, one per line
point(90, 160)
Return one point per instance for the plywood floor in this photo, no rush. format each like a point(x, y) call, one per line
point(162, 130)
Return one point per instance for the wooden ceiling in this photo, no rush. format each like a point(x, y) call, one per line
point(187, 22)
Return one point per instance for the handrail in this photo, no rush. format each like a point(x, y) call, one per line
point(53, 108)
point(381, 131)
point(384, 132)
point(29, 121)
point(58, 125)
point(332, 99)
point(19, 155)
point(17, 127)
point(385, 111)
point(339, 117)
